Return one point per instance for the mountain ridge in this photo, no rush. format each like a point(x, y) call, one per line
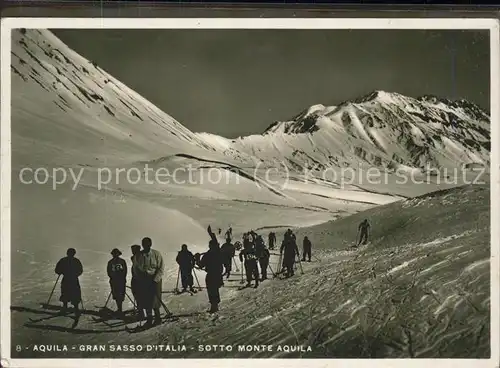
point(91, 119)
point(395, 130)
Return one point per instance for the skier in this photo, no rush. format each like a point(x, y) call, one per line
point(306, 249)
point(290, 251)
point(364, 231)
point(211, 263)
point(263, 255)
point(246, 240)
point(117, 273)
point(229, 234)
point(251, 269)
point(186, 262)
point(152, 266)
point(71, 268)
point(253, 237)
point(137, 279)
point(227, 251)
point(213, 237)
point(272, 240)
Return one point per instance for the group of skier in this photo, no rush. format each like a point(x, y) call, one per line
point(146, 283)
point(148, 268)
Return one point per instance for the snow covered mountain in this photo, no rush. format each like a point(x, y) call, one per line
point(89, 117)
point(381, 129)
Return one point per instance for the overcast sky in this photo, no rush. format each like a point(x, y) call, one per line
point(237, 82)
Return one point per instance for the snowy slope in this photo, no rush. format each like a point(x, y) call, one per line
point(412, 293)
point(382, 129)
point(88, 116)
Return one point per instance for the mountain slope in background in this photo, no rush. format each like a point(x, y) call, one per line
point(385, 130)
point(92, 120)
point(66, 109)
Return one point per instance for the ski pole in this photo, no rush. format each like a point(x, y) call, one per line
point(242, 281)
point(236, 265)
point(280, 266)
point(129, 298)
point(301, 269)
point(107, 300)
point(54, 288)
point(269, 266)
point(196, 277)
point(167, 311)
point(177, 282)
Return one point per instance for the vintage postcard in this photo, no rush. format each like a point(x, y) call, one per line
point(317, 189)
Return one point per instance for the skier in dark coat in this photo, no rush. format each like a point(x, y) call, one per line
point(70, 268)
point(248, 256)
point(289, 234)
point(253, 237)
point(136, 283)
point(117, 273)
point(211, 263)
point(228, 252)
point(272, 240)
point(186, 262)
point(290, 251)
point(306, 249)
point(263, 255)
point(364, 231)
point(229, 234)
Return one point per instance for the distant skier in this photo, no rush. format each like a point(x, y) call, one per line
point(214, 237)
point(186, 262)
point(227, 252)
point(289, 234)
point(229, 234)
point(306, 249)
point(248, 256)
point(152, 266)
point(253, 237)
point(136, 283)
point(263, 256)
point(246, 240)
point(117, 273)
point(290, 251)
point(211, 263)
point(364, 232)
point(271, 240)
point(70, 268)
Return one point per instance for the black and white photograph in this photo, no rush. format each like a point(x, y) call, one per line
point(196, 189)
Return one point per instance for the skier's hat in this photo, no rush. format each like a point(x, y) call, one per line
point(116, 252)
